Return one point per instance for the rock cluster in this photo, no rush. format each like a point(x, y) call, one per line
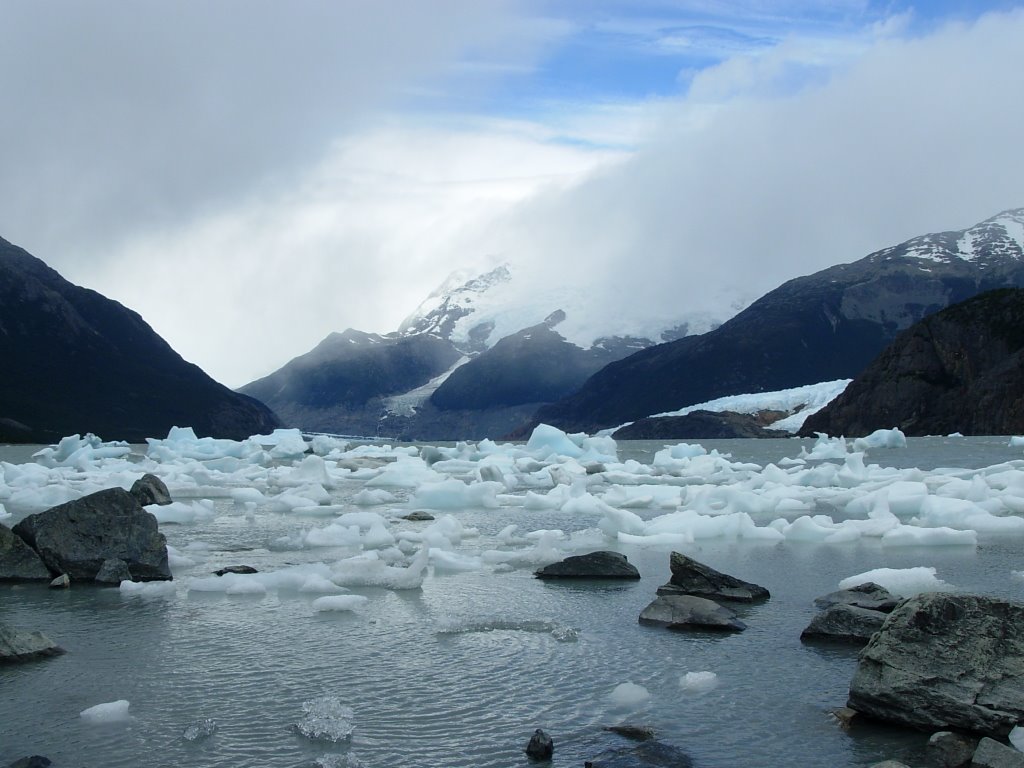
point(851, 615)
point(688, 600)
point(105, 537)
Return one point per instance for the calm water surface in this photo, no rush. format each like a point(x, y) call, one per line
point(462, 671)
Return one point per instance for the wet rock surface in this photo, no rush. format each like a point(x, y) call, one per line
point(945, 661)
point(595, 565)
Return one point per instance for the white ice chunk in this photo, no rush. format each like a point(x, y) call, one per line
point(628, 695)
point(455, 494)
point(111, 712)
point(904, 582)
point(372, 498)
point(698, 682)
point(149, 588)
point(881, 438)
point(547, 441)
point(911, 536)
point(339, 603)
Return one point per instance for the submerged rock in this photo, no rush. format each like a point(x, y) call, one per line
point(61, 582)
point(692, 578)
point(945, 661)
point(33, 761)
point(77, 537)
point(540, 746)
point(18, 561)
point(654, 754)
point(18, 645)
point(689, 612)
point(844, 623)
point(634, 732)
point(150, 489)
point(594, 565)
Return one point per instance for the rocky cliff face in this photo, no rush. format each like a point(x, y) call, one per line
point(75, 362)
point(960, 370)
point(825, 326)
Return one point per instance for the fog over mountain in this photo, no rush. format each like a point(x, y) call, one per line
point(297, 178)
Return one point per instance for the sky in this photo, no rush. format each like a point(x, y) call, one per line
point(251, 175)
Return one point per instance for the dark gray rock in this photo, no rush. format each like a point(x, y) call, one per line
point(845, 624)
point(945, 661)
point(235, 569)
point(696, 425)
point(18, 645)
point(992, 754)
point(77, 537)
point(34, 761)
point(18, 561)
point(869, 595)
point(128, 382)
point(113, 571)
point(418, 516)
point(889, 764)
point(540, 747)
point(654, 754)
point(150, 489)
point(950, 750)
point(594, 565)
point(692, 578)
point(689, 612)
point(955, 371)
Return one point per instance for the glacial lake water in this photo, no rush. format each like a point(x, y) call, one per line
point(461, 671)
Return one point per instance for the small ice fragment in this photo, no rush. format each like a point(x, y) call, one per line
point(201, 729)
point(698, 682)
point(628, 695)
point(111, 712)
point(1016, 737)
point(326, 719)
point(339, 603)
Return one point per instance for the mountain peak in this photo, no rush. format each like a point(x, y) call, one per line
point(997, 239)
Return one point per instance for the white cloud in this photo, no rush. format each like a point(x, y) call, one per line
point(359, 241)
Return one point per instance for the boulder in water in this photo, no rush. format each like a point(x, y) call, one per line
point(944, 661)
point(77, 537)
point(844, 623)
point(18, 561)
point(540, 746)
point(17, 645)
point(692, 578)
point(150, 489)
point(689, 612)
point(594, 565)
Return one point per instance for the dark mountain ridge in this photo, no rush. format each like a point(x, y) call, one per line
point(75, 361)
point(821, 327)
point(959, 370)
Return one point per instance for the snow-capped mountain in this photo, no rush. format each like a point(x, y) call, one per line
point(475, 359)
point(817, 328)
